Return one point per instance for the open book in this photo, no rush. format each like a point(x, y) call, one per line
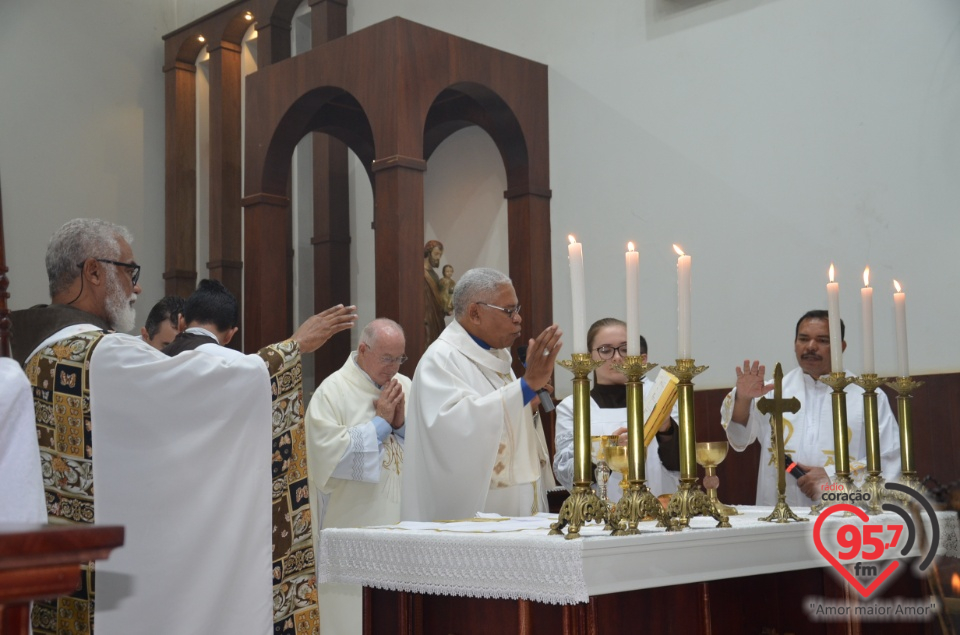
point(658, 403)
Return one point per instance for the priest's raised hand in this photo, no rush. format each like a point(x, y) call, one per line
point(542, 355)
point(317, 329)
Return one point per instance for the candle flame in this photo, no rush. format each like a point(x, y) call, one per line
point(866, 277)
point(573, 241)
point(955, 583)
point(831, 272)
point(677, 249)
point(630, 246)
point(896, 285)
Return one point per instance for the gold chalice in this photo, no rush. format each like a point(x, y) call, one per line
point(598, 445)
point(616, 456)
point(710, 454)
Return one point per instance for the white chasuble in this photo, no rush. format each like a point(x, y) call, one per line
point(471, 443)
point(21, 482)
point(808, 435)
point(182, 462)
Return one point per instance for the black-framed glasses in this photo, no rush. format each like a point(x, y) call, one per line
point(386, 360)
point(135, 268)
point(606, 352)
point(511, 313)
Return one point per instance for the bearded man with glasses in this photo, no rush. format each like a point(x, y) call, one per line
point(355, 433)
point(472, 442)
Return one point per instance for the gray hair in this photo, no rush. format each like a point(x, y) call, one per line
point(476, 285)
point(75, 242)
point(372, 331)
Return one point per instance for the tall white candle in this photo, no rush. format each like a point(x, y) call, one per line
point(578, 294)
point(866, 323)
point(833, 312)
point(900, 311)
point(633, 301)
point(684, 347)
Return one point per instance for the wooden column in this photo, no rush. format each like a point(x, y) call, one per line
point(268, 258)
point(181, 179)
point(331, 206)
point(273, 41)
point(398, 228)
point(226, 254)
point(528, 221)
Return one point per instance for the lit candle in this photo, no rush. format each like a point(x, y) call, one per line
point(578, 293)
point(866, 315)
point(684, 348)
point(633, 300)
point(900, 311)
point(833, 319)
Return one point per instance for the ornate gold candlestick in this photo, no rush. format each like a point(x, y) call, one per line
point(841, 438)
point(776, 407)
point(905, 387)
point(871, 430)
point(637, 501)
point(690, 500)
point(583, 505)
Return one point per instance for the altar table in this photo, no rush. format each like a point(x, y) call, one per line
point(492, 574)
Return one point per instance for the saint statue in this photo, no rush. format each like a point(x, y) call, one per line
point(435, 306)
point(447, 283)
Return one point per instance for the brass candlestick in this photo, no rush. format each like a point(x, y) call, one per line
point(841, 438)
point(637, 501)
point(775, 407)
point(871, 431)
point(905, 387)
point(690, 500)
point(583, 505)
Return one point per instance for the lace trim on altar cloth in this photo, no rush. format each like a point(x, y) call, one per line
point(513, 558)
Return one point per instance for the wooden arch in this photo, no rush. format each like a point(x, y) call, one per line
point(393, 92)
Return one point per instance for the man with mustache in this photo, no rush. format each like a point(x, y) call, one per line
point(808, 433)
point(472, 443)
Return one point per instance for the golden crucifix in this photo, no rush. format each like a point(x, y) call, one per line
point(775, 408)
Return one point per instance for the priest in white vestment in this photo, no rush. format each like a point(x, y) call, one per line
point(808, 433)
point(355, 429)
point(472, 441)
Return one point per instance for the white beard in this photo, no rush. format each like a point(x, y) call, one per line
point(120, 312)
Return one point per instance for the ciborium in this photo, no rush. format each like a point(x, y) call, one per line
point(711, 454)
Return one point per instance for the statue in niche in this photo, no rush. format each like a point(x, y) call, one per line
point(435, 306)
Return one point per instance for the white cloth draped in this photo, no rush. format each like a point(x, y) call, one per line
point(21, 483)
point(471, 443)
point(182, 461)
point(808, 435)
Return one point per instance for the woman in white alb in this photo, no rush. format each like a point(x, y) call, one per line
point(607, 341)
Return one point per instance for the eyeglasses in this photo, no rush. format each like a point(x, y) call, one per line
point(386, 360)
point(134, 276)
point(606, 352)
point(511, 313)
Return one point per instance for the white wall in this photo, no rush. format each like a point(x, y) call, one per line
point(766, 138)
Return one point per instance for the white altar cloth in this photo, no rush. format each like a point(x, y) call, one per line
point(514, 558)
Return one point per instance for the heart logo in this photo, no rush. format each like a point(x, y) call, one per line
point(864, 591)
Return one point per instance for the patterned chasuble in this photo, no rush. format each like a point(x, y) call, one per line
point(60, 382)
point(59, 379)
point(295, 610)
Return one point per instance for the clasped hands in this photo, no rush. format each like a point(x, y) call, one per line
point(391, 404)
